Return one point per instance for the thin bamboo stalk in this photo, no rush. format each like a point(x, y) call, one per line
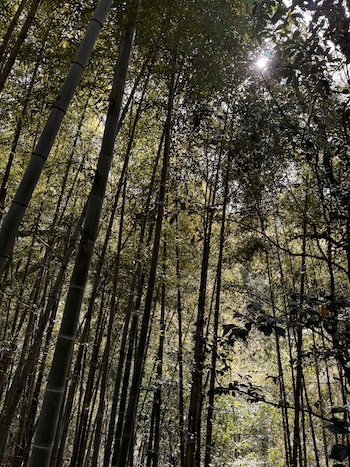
point(214, 355)
point(138, 278)
point(11, 27)
point(154, 435)
point(193, 447)
point(181, 403)
point(101, 407)
point(6, 70)
point(21, 374)
point(48, 420)
point(130, 418)
point(298, 396)
point(40, 154)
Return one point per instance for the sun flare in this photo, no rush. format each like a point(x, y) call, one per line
point(262, 63)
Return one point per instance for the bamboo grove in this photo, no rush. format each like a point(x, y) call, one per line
point(175, 233)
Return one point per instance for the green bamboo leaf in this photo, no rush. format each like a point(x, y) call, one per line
point(278, 15)
point(337, 429)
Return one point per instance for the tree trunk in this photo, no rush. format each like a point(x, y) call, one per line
point(3, 188)
point(210, 414)
point(141, 348)
point(138, 279)
point(297, 452)
point(125, 387)
point(180, 352)
point(101, 407)
point(193, 447)
point(81, 434)
point(6, 70)
point(10, 29)
point(21, 374)
point(48, 420)
point(32, 174)
point(154, 435)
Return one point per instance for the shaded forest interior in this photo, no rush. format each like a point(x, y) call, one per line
point(174, 233)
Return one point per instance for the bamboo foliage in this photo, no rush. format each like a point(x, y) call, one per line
point(224, 211)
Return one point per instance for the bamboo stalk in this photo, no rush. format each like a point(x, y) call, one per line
point(48, 420)
point(40, 154)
